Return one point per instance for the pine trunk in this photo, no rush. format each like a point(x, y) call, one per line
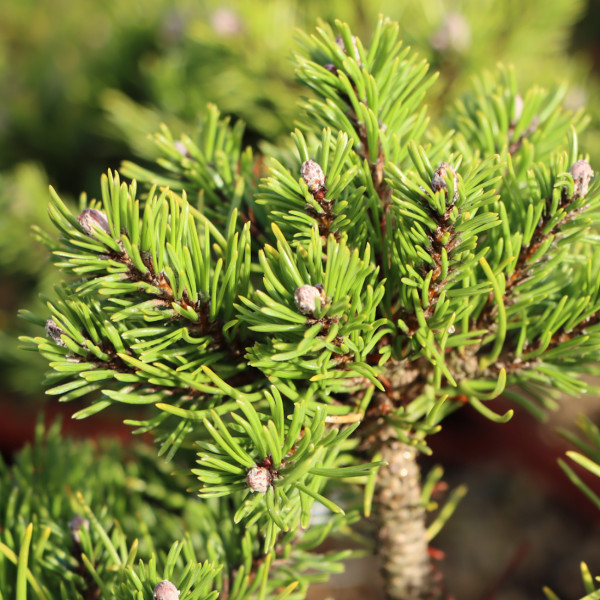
point(402, 536)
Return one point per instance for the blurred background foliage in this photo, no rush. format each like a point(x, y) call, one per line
point(84, 83)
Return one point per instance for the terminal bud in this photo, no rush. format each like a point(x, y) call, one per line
point(438, 181)
point(54, 331)
point(306, 298)
point(165, 590)
point(91, 218)
point(259, 479)
point(313, 176)
point(582, 174)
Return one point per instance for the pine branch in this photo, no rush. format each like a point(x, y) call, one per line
point(160, 287)
point(443, 240)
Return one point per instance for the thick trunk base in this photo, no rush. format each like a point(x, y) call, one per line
point(403, 547)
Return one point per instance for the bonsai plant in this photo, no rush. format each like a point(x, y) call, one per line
point(292, 328)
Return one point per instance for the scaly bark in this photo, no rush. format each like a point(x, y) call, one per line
point(402, 537)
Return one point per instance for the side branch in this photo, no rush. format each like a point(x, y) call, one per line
point(539, 237)
point(203, 326)
point(582, 174)
point(443, 239)
point(377, 169)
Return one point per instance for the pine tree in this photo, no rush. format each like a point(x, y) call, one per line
point(296, 326)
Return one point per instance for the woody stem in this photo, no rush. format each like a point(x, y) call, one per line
point(403, 547)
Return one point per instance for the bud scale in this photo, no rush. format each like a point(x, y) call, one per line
point(259, 479)
point(91, 218)
point(582, 173)
point(306, 297)
point(313, 175)
point(165, 590)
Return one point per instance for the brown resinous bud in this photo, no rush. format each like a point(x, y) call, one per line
point(313, 176)
point(165, 590)
point(438, 181)
point(340, 42)
point(307, 297)
point(54, 331)
point(582, 174)
point(259, 479)
point(91, 218)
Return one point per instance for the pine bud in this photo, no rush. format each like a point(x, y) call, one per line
point(165, 590)
point(306, 298)
point(91, 218)
point(438, 181)
point(259, 479)
point(75, 525)
point(313, 176)
point(54, 331)
point(340, 43)
point(582, 173)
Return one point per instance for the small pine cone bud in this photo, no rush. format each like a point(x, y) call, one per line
point(340, 43)
point(306, 298)
point(582, 173)
point(438, 181)
point(91, 218)
point(54, 331)
point(75, 525)
point(165, 590)
point(259, 479)
point(313, 176)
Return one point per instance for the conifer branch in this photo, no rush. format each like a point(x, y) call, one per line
point(165, 296)
point(547, 229)
point(403, 546)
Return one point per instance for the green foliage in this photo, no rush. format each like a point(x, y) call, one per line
point(135, 507)
point(138, 66)
point(444, 266)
